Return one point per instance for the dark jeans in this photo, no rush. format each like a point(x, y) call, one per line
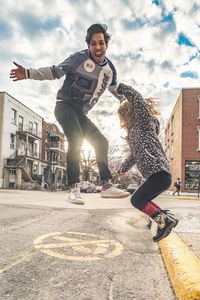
point(78, 127)
point(177, 190)
point(150, 189)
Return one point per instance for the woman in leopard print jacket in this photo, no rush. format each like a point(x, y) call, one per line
point(137, 116)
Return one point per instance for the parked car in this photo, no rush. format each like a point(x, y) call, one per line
point(87, 187)
point(132, 188)
point(98, 188)
point(120, 186)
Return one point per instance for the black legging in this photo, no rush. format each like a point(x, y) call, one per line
point(150, 189)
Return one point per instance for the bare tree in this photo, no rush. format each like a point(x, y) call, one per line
point(116, 156)
point(88, 164)
point(132, 176)
point(135, 176)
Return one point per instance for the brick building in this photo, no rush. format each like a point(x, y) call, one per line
point(53, 154)
point(182, 139)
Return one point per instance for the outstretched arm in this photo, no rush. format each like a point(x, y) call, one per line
point(44, 73)
point(19, 73)
point(135, 98)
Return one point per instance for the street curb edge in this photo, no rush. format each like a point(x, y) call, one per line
point(183, 267)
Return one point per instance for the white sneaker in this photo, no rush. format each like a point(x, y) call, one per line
point(75, 196)
point(113, 192)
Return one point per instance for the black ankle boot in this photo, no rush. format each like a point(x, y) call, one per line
point(166, 222)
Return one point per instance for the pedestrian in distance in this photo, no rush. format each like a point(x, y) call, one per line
point(87, 75)
point(177, 185)
point(139, 118)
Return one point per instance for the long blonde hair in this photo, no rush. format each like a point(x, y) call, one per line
point(127, 115)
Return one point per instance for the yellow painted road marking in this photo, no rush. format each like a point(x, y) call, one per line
point(22, 258)
point(61, 245)
point(85, 234)
point(40, 239)
point(183, 267)
point(100, 249)
point(92, 248)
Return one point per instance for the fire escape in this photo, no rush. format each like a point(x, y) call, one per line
point(28, 143)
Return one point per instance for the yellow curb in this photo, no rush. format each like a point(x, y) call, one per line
point(183, 267)
point(187, 198)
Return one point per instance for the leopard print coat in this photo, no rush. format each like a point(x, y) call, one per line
point(146, 150)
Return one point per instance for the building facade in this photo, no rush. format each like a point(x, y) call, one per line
point(53, 155)
point(31, 150)
point(182, 140)
point(20, 143)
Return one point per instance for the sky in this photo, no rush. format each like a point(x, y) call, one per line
point(154, 47)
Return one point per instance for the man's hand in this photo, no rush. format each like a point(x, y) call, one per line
point(18, 73)
point(121, 171)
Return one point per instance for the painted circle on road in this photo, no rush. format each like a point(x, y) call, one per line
point(77, 246)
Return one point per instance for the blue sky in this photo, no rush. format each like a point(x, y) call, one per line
point(154, 47)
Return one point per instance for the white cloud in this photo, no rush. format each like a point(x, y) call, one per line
point(185, 6)
point(143, 48)
point(145, 9)
point(188, 24)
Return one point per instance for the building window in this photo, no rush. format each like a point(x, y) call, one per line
point(46, 155)
point(46, 136)
point(35, 128)
point(35, 149)
point(21, 121)
point(172, 125)
point(165, 135)
point(35, 168)
point(192, 175)
point(12, 141)
point(54, 157)
point(167, 152)
point(198, 97)
point(198, 129)
point(30, 126)
point(59, 175)
point(168, 132)
point(54, 128)
point(12, 171)
point(14, 116)
point(11, 185)
point(172, 150)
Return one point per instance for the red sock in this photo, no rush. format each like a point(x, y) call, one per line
point(150, 209)
point(155, 204)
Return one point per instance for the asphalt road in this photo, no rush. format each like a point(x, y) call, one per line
point(50, 249)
